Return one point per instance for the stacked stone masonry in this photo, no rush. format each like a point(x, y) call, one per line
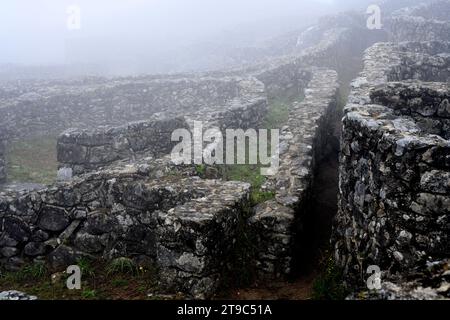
point(394, 167)
point(82, 150)
point(277, 223)
point(2, 158)
point(424, 22)
point(52, 108)
point(128, 199)
point(118, 211)
point(86, 150)
point(225, 102)
point(184, 226)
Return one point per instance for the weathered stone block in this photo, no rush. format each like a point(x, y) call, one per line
point(394, 185)
point(53, 219)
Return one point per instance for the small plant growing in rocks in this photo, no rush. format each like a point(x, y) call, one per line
point(122, 266)
point(328, 285)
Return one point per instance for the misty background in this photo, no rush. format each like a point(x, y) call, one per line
point(152, 36)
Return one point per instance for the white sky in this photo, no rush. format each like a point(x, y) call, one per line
point(34, 31)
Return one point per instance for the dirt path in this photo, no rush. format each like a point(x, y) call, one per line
point(300, 289)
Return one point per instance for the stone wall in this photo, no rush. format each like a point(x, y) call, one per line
point(287, 80)
point(85, 150)
point(389, 62)
point(245, 110)
point(337, 42)
point(184, 226)
point(2, 159)
point(425, 22)
point(49, 110)
point(394, 167)
point(128, 200)
point(427, 103)
point(278, 223)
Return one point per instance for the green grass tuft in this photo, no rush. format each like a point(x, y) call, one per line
point(122, 266)
point(89, 294)
point(86, 267)
point(32, 272)
point(200, 170)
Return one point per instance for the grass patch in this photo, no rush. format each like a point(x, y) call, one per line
point(277, 114)
point(96, 282)
point(86, 267)
point(250, 174)
point(258, 196)
point(35, 271)
point(89, 294)
point(122, 266)
point(278, 111)
point(276, 117)
point(32, 160)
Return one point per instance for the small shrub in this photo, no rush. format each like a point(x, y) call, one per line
point(200, 170)
point(261, 196)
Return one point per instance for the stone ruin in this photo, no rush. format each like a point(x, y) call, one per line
point(120, 195)
point(394, 168)
point(2, 157)
point(224, 103)
point(424, 22)
point(127, 199)
point(303, 139)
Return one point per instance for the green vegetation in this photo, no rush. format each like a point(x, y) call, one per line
point(246, 173)
point(250, 174)
point(86, 267)
point(328, 285)
point(122, 266)
point(277, 115)
point(97, 281)
point(88, 294)
point(200, 169)
point(261, 196)
point(32, 160)
point(120, 282)
point(30, 272)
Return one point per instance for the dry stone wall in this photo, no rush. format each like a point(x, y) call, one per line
point(183, 226)
point(85, 150)
point(394, 167)
point(50, 110)
point(277, 223)
point(427, 103)
point(2, 159)
point(425, 22)
point(128, 200)
point(287, 80)
point(81, 150)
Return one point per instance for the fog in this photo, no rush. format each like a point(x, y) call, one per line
point(128, 36)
